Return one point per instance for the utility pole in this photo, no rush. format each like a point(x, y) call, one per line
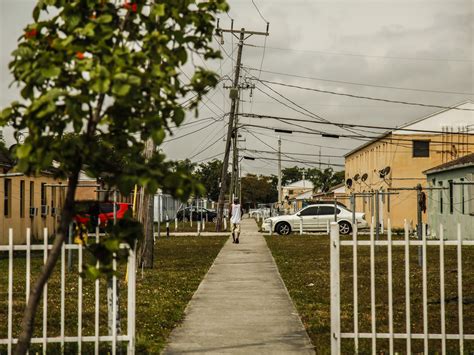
point(279, 171)
point(234, 95)
point(235, 154)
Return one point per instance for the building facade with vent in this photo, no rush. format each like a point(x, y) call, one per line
point(398, 158)
point(452, 203)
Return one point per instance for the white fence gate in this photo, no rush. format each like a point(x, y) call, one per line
point(391, 335)
point(114, 336)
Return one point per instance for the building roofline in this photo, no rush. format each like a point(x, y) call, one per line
point(462, 162)
point(383, 135)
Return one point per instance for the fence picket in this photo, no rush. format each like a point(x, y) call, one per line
point(63, 291)
point(441, 285)
point(356, 291)
point(425, 290)
point(335, 291)
point(460, 294)
point(79, 300)
point(10, 290)
point(407, 287)
point(45, 293)
point(390, 291)
point(372, 288)
point(97, 300)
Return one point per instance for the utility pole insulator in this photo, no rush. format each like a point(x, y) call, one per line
point(234, 93)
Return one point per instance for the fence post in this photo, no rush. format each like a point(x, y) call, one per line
point(225, 223)
point(335, 291)
point(301, 226)
point(176, 224)
point(10, 290)
point(198, 228)
point(271, 227)
point(131, 302)
point(327, 226)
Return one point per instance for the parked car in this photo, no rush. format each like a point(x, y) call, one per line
point(186, 213)
point(105, 210)
point(314, 218)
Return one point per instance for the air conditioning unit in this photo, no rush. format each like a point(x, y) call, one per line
point(53, 211)
point(44, 210)
point(33, 211)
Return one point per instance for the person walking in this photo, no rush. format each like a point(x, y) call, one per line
point(235, 218)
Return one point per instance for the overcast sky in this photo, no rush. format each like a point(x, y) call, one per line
point(422, 45)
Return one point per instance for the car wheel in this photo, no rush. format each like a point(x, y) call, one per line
point(344, 227)
point(283, 228)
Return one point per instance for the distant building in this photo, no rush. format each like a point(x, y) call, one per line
point(454, 203)
point(398, 158)
point(292, 191)
point(28, 202)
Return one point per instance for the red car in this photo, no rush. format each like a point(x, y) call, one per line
point(84, 210)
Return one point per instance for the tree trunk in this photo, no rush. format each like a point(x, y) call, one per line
point(37, 290)
point(146, 247)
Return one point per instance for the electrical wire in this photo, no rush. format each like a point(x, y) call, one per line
point(358, 84)
point(365, 55)
point(259, 12)
point(366, 97)
point(352, 125)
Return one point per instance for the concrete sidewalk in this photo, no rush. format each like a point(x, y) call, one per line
point(241, 306)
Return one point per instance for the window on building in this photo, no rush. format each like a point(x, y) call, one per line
point(53, 200)
point(32, 196)
point(451, 196)
point(43, 194)
point(7, 197)
point(463, 197)
point(421, 149)
point(290, 192)
point(440, 183)
point(22, 198)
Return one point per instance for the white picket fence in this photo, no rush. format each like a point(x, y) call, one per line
point(335, 271)
point(114, 339)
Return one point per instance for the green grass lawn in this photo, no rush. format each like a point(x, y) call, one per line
point(304, 262)
point(162, 294)
point(186, 227)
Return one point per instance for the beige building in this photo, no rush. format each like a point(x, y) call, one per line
point(398, 158)
point(295, 192)
point(29, 202)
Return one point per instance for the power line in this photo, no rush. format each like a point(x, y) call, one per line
point(358, 84)
point(365, 55)
point(259, 12)
point(340, 124)
point(299, 161)
point(365, 97)
point(209, 146)
point(193, 132)
point(300, 142)
point(380, 138)
point(293, 153)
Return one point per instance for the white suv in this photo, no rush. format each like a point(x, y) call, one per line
point(314, 218)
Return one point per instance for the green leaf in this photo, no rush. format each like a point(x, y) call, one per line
point(134, 80)
point(50, 72)
point(22, 151)
point(101, 86)
point(158, 136)
point(178, 116)
point(106, 18)
point(121, 89)
point(158, 10)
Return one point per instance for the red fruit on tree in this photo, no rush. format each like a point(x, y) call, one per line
point(80, 55)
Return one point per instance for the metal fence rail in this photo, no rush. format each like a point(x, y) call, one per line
point(114, 338)
point(337, 335)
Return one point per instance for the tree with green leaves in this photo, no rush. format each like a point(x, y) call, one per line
point(107, 72)
point(258, 189)
point(209, 174)
point(323, 180)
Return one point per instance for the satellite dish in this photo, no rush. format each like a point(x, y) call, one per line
point(349, 183)
point(364, 177)
point(384, 172)
point(356, 177)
